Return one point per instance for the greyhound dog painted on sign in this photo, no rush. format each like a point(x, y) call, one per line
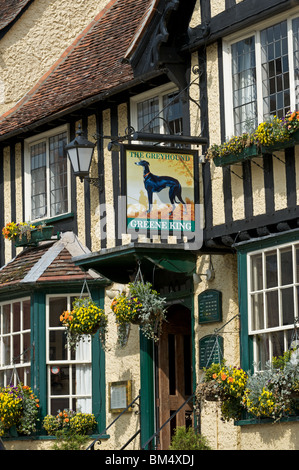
point(155, 184)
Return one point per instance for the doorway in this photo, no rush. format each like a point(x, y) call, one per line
point(174, 373)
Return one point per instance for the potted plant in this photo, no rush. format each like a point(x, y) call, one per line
point(84, 320)
point(18, 410)
point(143, 306)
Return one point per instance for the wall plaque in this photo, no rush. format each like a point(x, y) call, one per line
point(210, 306)
point(120, 396)
point(210, 350)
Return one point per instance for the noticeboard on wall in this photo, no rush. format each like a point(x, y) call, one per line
point(210, 306)
point(210, 350)
point(161, 189)
point(120, 396)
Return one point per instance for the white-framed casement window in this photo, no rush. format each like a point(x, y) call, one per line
point(69, 373)
point(158, 111)
point(47, 174)
point(261, 73)
point(15, 343)
point(273, 293)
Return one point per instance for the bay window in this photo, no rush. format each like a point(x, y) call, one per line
point(69, 373)
point(15, 342)
point(273, 292)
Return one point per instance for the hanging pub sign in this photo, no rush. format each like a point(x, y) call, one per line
point(210, 306)
point(161, 188)
point(210, 350)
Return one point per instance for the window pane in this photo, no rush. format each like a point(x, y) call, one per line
point(244, 85)
point(58, 174)
point(59, 404)
point(26, 315)
point(295, 25)
point(172, 114)
point(6, 360)
point(56, 307)
point(17, 348)
point(6, 319)
point(272, 309)
point(271, 269)
point(274, 55)
point(256, 272)
point(58, 350)
point(60, 380)
point(38, 181)
point(286, 261)
point(263, 351)
point(16, 316)
point(278, 347)
point(257, 309)
point(26, 347)
point(146, 111)
point(287, 305)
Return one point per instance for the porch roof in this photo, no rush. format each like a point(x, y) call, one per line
point(48, 262)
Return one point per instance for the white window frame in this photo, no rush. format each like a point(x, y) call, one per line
point(11, 370)
point(280, 287)
point(227, 66)
point(43, 137)
point(69, 362)
point(159, 91)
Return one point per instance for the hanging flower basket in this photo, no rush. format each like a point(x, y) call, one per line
point(225, 384)
point(19, 409)
point(84, 321)
point(270, 393)
point(142, 306)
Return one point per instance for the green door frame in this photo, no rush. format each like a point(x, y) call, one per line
point(147, 382)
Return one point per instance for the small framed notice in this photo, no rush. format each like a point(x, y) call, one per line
point(210, 350)
point(210, 306)
point(120, 396)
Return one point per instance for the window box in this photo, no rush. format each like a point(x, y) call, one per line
point(233, 158)
point(36, 235)
point(282, 145)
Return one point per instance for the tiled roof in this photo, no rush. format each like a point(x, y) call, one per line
point(10, 9)
point(48, 262)
point(90, 66)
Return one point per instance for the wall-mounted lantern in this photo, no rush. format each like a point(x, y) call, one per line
point(80, 152)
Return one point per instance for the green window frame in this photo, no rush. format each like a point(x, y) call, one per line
point(38, 353)
point(245, 252)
